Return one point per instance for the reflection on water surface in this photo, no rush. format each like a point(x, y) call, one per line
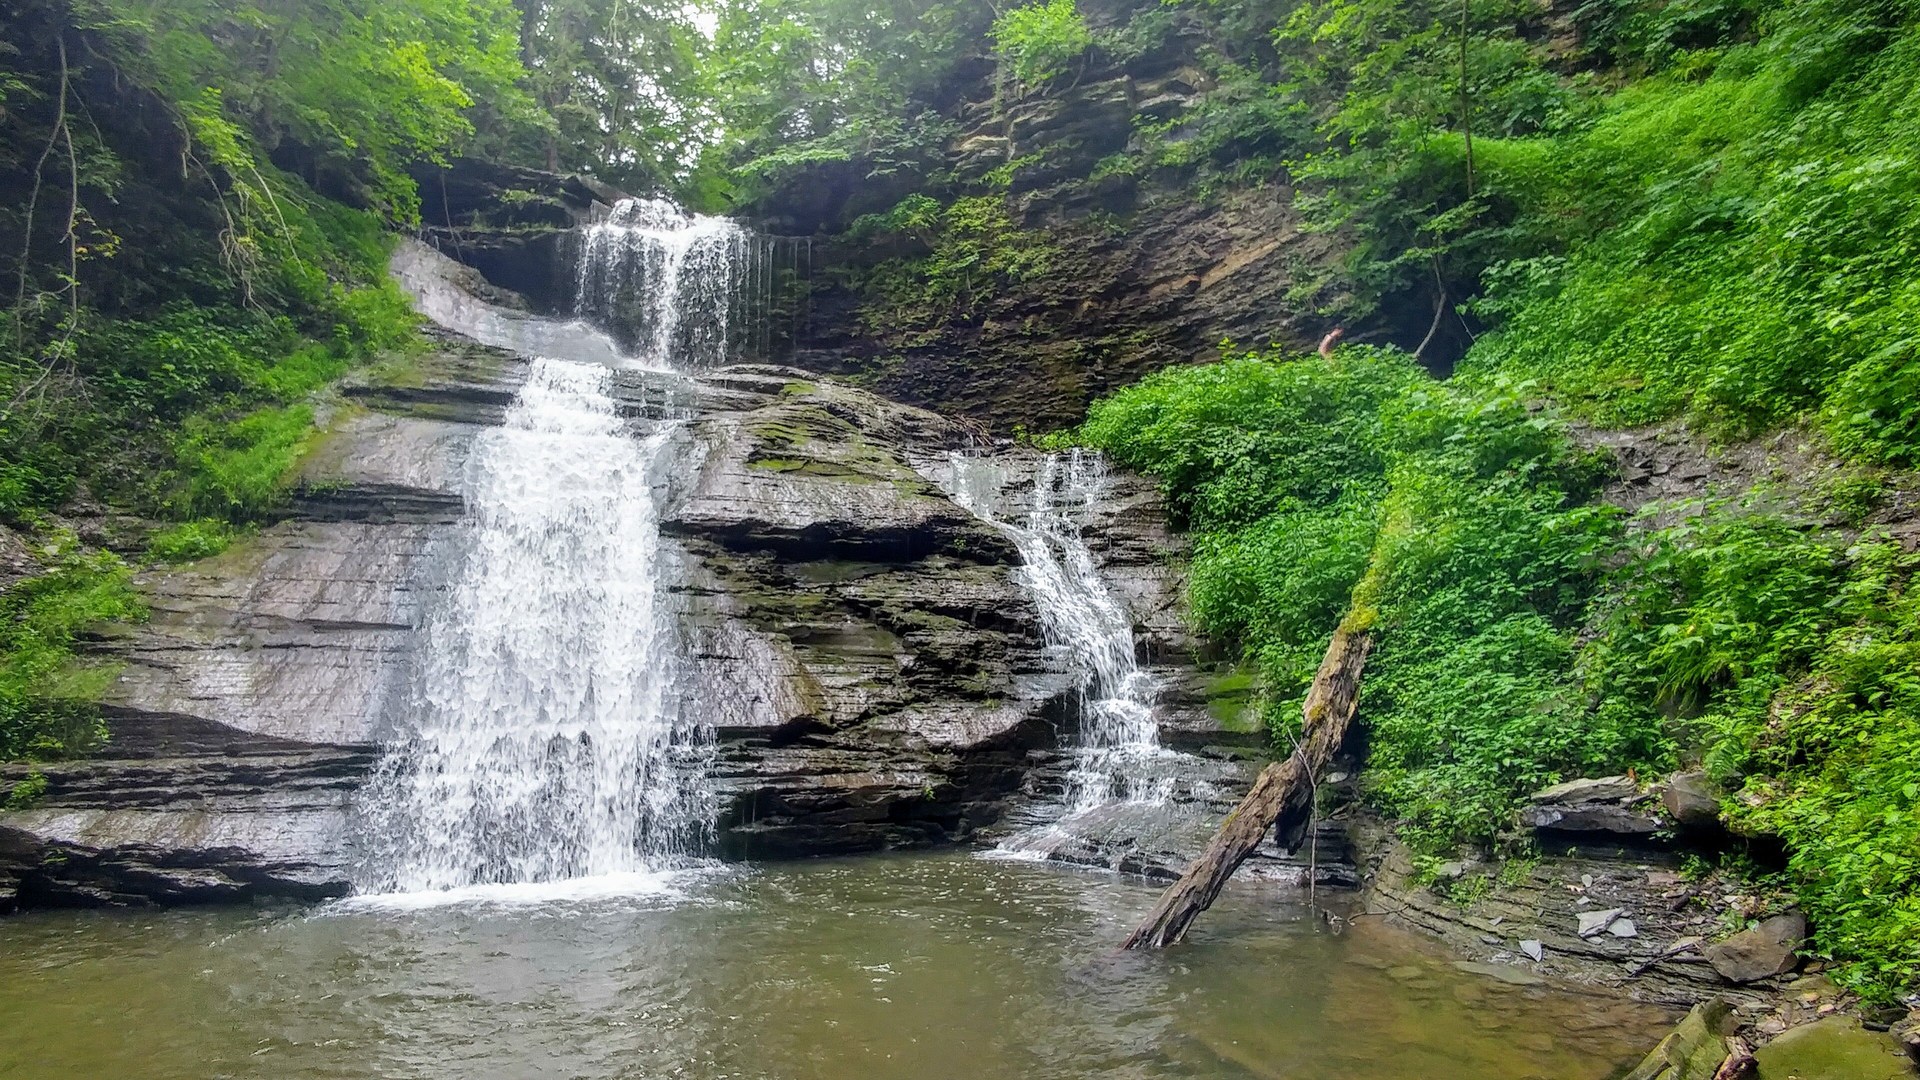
point(914, 966)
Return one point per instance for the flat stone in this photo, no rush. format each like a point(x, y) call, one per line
point(1835, 1048)
point(1623, 928)
point(1604, 788)
point(1506, 973)
point(1596, 922)
point(1762, 952)
point(1533, 949)
point(1610, 804)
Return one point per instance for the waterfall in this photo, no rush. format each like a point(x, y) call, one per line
point(1116, 757)
point(540, 738)
point(672, 286)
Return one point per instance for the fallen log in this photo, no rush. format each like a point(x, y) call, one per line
point(1281, 797)
point(1740, 1063)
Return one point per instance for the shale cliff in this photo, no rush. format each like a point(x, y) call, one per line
point(1009, 277)
point(875, 675)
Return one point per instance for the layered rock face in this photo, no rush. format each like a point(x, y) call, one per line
point(1135, 269)
point(242, 721)
point(874, 672)
point(1139, 266)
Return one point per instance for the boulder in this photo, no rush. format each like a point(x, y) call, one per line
point(1833, 1048)
point(1692, 801)
point(1907, 1034)
point(1693, 1050)
point(1606, 805)
point(1762, 952)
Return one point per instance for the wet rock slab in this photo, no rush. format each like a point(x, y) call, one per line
point(1625, 921)
point(859, 641)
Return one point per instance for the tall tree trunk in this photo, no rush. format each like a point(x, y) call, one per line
point(1282, 796)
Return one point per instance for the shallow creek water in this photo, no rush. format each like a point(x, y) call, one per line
point(909, 966)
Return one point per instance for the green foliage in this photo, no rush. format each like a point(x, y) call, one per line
point(1711, 615)
point(190, 540)
point(1749, 257)
point(1233, 440)
point(1785, 655)
point(976, 252)
point(623, 90)
point(1039, 40)
point(1282, 580)
point(1836, 773)
point(1291, 470)
point(27, 793)
point(184, 253)
point(368, 86)
point(238, 468)
point(1796, 660)
point(810, 92)
point(184, 412)
point(46, 693)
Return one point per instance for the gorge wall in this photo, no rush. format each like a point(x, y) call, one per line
point(1012, 274)
point(873, 672)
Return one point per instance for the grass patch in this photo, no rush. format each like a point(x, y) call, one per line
point(190, 540)
point(47, 693)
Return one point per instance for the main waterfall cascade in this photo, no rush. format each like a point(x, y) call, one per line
point(1117, 757)
point(540, 738)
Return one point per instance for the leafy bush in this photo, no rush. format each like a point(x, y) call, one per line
point(1741, 265)
point(1711, 615)
point(1289, 468)
point(1837, 775)
point(1039, 40)
point(1797, 663)
point(27, 793)
point(1783, 654)
point(1232, 441)
point(190, 540)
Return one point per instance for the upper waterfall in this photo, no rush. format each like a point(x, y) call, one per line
point(679, 290)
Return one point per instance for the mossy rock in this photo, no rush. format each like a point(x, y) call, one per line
point(1836, 1048)
point(1229, 696)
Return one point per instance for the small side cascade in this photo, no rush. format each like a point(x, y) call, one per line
point(1117, 757)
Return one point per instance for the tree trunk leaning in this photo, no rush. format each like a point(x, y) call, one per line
point(1282, 795)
